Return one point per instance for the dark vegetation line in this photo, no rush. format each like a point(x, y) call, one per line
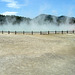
point(41, 19)
point(12, 19)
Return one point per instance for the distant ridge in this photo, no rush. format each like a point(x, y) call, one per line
point(6, 19)
point(41, 19)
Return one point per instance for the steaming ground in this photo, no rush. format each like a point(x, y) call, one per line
point(37, 54)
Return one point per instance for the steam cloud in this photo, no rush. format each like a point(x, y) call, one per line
point(38, 24)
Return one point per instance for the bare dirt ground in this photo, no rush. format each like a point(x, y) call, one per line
point(52, 54)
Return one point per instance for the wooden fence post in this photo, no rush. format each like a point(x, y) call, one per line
point(55, 32)
point(48, 32)
point(62, 32)
point(40, 32)
point(73, 31)
point(2, 32)
point(32, 32)
point(23, 32)
point(8, 32)
point(15, 32)
point(67, 32)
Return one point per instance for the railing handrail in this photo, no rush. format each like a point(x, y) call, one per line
point(41, 32)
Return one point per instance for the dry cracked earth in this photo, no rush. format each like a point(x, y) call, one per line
point(52, 54)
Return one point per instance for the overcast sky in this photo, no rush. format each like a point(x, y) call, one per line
point(32, 8)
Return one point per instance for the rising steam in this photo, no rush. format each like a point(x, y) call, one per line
point(40, 23)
